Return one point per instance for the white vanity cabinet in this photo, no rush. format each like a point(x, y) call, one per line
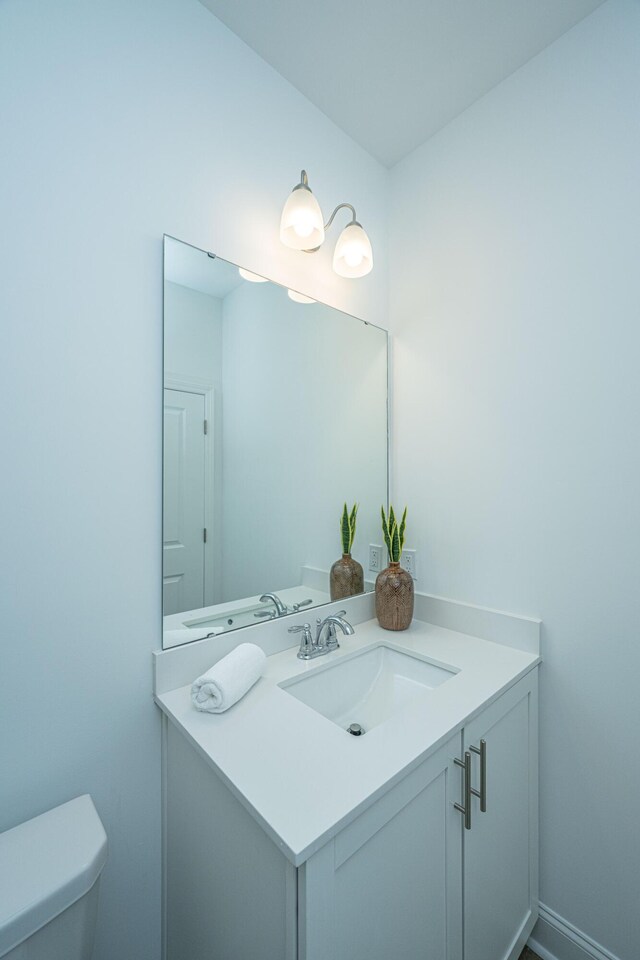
point(403, 879)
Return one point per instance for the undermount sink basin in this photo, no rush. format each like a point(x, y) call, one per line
point(368, 687)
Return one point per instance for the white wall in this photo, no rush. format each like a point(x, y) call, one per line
point(305, 429)
point(516, 308)
point(121, 121)
point(192, 334)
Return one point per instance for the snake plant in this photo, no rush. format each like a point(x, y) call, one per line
point(348, 527)
point(393, 533)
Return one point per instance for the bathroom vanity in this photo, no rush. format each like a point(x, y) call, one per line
point(286, 838)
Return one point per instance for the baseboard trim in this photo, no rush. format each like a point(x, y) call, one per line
point(554, 938)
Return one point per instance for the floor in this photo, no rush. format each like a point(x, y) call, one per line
point(528, 955)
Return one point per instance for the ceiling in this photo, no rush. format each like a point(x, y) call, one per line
point(392, 74)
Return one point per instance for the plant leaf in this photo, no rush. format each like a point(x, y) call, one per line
point(385, 531)
point(403, 524)
point(395, 543)
point(345, 530)
point(352, 522)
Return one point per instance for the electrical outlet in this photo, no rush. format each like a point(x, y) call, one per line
point(375, 558)
point(408, 562)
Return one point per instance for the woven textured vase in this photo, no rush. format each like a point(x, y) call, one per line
point(346, 578)
point(394, 598)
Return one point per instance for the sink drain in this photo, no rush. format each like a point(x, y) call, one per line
point(355, 730)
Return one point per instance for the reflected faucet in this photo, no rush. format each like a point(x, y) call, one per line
point(281, 609)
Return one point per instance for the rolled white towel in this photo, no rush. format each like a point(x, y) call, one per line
point(229, 679)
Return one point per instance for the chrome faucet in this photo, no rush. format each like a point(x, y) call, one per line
point(326, 639)
point(276, 601)
point(330, 623)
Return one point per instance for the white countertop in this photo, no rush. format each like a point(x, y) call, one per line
point(302, 777)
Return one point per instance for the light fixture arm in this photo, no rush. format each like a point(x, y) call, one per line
point(349, 206)
point(339, 207)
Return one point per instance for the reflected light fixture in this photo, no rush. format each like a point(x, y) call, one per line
point(299, 297)
point(251, 277)
point(302, 227)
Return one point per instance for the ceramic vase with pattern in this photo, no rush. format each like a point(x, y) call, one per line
point(394, 598)
point(346, 578)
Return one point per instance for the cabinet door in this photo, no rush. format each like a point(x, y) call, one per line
point(390, 884)
point(501, 848)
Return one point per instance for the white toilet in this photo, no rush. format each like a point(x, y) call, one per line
point(49, 876)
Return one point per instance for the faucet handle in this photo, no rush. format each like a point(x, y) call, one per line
point(303, 603)
point(306, 651)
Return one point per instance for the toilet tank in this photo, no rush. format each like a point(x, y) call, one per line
point(49, 872)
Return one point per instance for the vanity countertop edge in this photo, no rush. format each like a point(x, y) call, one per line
point(302, 777)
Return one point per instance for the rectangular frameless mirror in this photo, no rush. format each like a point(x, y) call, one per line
point(275, 414)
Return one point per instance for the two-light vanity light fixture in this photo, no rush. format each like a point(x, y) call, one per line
point(303, 228)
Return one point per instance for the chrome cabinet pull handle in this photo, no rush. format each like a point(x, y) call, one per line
point(466, 809)
point(482, 792)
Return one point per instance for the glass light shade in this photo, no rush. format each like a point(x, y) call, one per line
point(302, 224)
point(300, 297)
point(251, 277)
point(353, 256)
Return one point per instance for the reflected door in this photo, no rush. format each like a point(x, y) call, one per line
point(184, 501)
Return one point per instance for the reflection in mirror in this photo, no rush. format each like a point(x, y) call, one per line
point(275, 414)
